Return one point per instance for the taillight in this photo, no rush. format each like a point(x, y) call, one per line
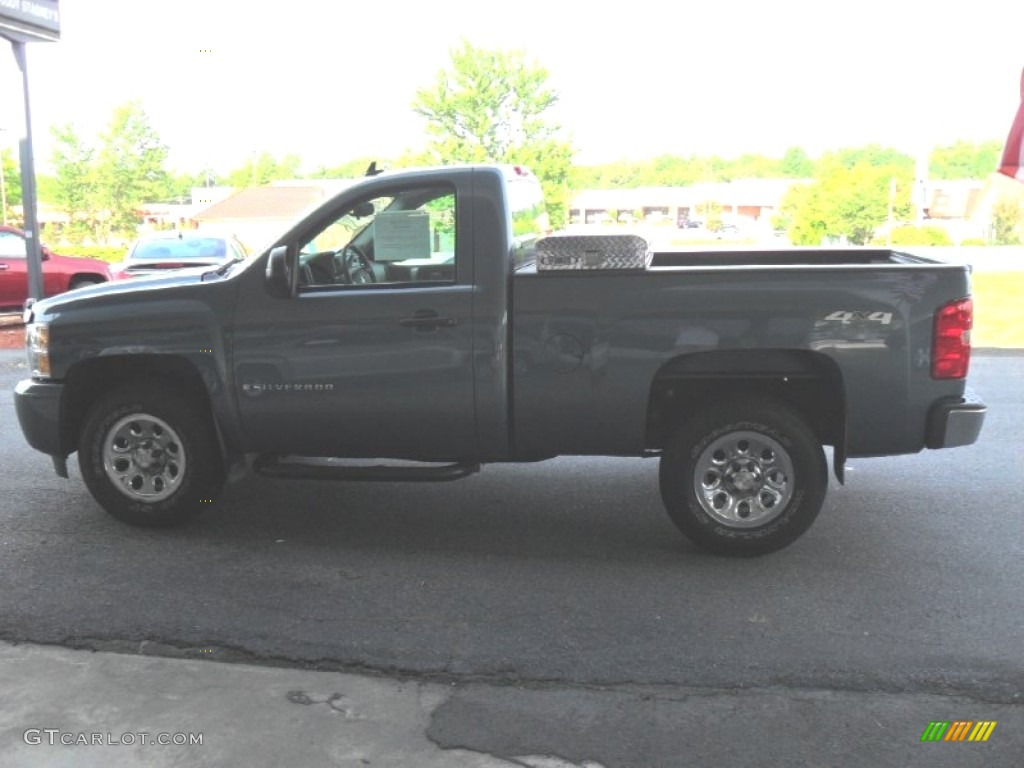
point(951, 342)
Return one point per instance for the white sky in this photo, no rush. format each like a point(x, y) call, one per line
point(331, 80)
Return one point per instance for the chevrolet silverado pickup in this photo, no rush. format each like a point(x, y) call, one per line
point(423, 323)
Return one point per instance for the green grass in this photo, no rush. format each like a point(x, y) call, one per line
point(998, 309)
point(107, 253)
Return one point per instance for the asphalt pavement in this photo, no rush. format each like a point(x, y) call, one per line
point(545, 612)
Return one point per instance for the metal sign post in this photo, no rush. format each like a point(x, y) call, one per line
point(33, 249)
point(25, 22)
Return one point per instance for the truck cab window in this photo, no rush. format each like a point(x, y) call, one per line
point(407, 237)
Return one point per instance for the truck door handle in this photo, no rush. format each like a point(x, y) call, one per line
point(428, 320)
point(4, 266)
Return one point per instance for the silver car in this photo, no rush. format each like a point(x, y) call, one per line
point(164, 251)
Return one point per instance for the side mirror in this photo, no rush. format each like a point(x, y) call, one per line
point(282, 271)
point(362, 210)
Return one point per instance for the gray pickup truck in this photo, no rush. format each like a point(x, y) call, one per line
point(423, 323)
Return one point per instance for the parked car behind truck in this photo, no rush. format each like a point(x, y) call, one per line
point(60, 273)
point(417, 316)
point(160, 252)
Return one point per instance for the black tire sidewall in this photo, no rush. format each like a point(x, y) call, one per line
point(773, 420)
point(204, 473)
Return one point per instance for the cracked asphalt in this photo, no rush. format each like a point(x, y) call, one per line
point(560, 607)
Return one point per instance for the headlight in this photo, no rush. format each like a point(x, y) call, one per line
point(37, 343)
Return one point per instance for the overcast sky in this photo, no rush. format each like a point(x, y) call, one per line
point(332, 80)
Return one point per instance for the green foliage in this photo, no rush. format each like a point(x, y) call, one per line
point(107, 253)
point(353, 169)
point(485, 105)
point(46, 187)
point(180, 185)
point(851, 194)
point(965, 160)
point(974, 241)
point(679, 171)
point(795, 164)
point(661, 171)
point(11, 176)
point(911, 235)
point(871, 155)
point(74, 180)
point(491, 106)
point(100, 187)
point(803, 213)
point(850, 201)
point(1007, 222)
point(551, 160)
point(264, 169)
point(129, 169)
point(751, 166)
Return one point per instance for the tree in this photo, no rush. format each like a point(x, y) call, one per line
point(796, 164)
point(129, 170)
point(873, 155)
point(180, 185)
point(263, 169)
point(965, 160)
point(754, 166)
point(492, 106)
point(74, 180)
point(802, 214)
point(912, 235)
point(11, 171)
point(352, 169)
point(1007, 218)
point(850, 202)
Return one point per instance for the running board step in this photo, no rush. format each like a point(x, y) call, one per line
point(309, 468)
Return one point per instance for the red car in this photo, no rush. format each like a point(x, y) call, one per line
point(60, 273)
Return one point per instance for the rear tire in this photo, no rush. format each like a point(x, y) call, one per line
point(149, 457)
point(744, 478)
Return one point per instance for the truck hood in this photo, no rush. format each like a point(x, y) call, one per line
point(96, 294)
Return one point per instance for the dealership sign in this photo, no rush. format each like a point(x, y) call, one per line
point(30, 21)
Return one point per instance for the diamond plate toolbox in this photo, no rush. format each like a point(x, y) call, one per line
point(618, 252)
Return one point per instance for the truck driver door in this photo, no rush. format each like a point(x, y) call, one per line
point(373, 355)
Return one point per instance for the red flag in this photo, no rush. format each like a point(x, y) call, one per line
point(1012, 163)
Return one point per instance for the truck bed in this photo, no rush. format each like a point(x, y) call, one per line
point(582, 339)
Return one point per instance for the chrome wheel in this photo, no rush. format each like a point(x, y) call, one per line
point(143, 457)
point(743, 479)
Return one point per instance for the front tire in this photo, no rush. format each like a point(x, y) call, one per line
point(744, 478)
point(148, 457)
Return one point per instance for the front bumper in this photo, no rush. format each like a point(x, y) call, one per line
point(37, 404)
point(955, 423)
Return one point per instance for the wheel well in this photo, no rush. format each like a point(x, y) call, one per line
point(85, 277)
point(90, 379)
point(810, 383)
